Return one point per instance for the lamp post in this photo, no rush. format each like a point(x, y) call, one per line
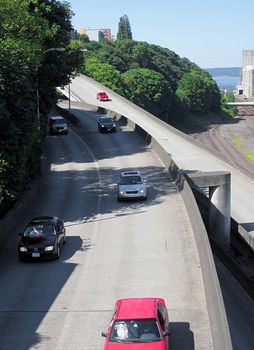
point(59, 49)
point(69, 90)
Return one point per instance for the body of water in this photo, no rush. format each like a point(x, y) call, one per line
point(226, 78)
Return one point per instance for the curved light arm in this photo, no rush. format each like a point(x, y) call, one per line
point(60, 49)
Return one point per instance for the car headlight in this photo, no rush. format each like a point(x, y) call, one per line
point(114, 125)
point(121, 192)
point(142, 191)
point(49, 248)
point(23, 249)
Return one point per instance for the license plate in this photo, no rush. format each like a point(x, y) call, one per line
point(35, 255)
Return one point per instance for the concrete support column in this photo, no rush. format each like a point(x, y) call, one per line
point(219, 212)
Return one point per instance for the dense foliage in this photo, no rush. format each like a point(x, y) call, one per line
point(29, 72)
point(148, 89)
point(154, 78)
point(228, 97)
point(198, 93)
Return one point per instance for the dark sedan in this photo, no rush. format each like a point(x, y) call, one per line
point(106, 124)
point(42, 239)
point(57, 125)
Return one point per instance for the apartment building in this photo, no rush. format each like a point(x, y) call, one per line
point(96, 34)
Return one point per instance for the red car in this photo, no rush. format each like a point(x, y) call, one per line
point(102, 96)
point(138, 324)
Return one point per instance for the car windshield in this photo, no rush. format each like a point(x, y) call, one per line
point(37, 231)
point(137, 330)
point(106, 120)
point(58, 121)
point(130, 180)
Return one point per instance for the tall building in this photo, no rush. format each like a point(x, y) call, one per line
point(96, 34)
point(248, 73)
point(248, 57)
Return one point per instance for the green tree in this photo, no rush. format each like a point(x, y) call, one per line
point(225, 98)
point(27, 29)
point(106, 75)
point(149, 90)
point(197, 92)
point(124, 29)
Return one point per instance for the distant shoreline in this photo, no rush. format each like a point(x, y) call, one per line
point(227, 71)
point(226, 78)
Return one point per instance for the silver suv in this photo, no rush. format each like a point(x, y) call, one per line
point(131, 185)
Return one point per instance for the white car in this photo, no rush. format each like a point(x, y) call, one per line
point(131, 186)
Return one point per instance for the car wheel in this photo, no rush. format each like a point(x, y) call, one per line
point(64, 239)
point(119, 199)
point(145, 198)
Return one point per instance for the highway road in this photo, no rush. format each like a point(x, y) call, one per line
point(113, 250)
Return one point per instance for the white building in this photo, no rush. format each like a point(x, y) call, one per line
point(248, 73)
point(248, 80)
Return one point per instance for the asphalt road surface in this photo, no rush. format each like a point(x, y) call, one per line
point(113, 250)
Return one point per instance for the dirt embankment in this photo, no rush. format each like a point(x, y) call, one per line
point(232, 137)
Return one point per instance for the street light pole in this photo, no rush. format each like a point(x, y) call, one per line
point(69, 98)
point(69, 88)
point(59, 49)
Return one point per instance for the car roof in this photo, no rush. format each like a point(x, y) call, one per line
point(55, 117)
point(134, 308)
point(102, 92)
point(130, 173)
point(106, 117)
point(43, 220)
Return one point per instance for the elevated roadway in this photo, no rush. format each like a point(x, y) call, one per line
point(240, 104)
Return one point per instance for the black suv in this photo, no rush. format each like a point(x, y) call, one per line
point(106, 124)
point(42, 238)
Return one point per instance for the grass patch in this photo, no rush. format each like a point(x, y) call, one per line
point(250, 156)
point(238, 142)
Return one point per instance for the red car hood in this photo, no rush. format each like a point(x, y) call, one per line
point(135, 346)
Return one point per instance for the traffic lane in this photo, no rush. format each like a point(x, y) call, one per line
point(30, 289)
point(144, 248)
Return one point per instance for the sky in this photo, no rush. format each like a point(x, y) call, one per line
point(210, 33)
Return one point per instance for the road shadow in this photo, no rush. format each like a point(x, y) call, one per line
point(200, 123)
point(46, 280)
point(181, 337)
